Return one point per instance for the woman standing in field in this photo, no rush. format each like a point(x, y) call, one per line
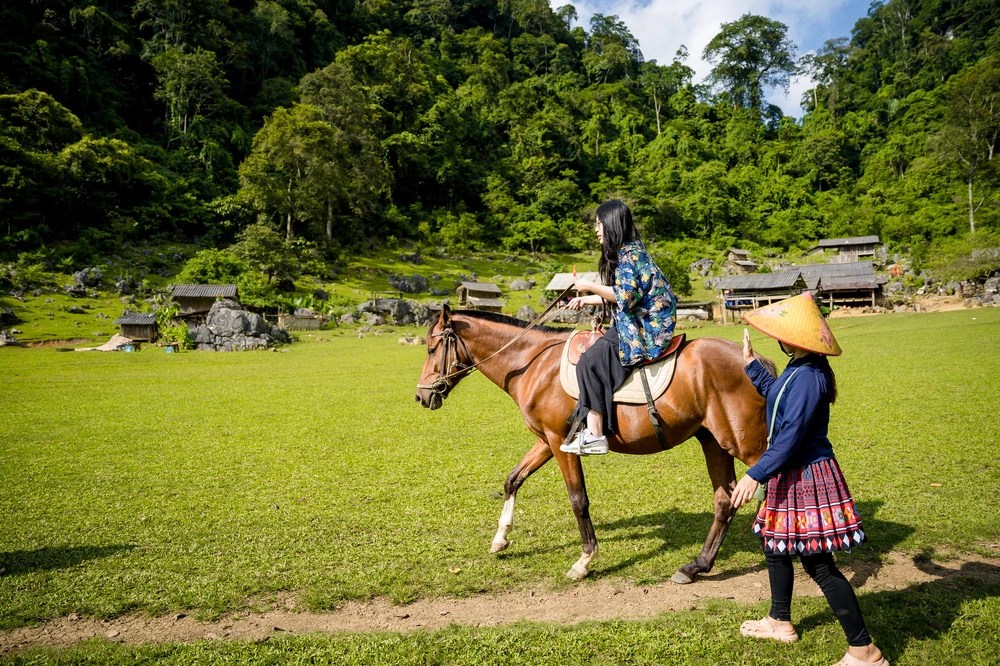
point(808, 509)
point(642, 325)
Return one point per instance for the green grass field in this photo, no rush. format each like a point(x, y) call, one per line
point(210, 482)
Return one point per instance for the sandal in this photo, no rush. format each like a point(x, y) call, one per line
point(849, 660)
point(762, 628)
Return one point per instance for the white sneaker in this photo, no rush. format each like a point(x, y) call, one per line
point(586, 444)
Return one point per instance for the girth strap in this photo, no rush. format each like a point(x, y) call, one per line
point(651, 409)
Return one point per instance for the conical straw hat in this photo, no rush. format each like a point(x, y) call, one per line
point(796, 321)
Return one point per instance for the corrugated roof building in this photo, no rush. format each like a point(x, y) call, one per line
point(740, 293)
point(480, 296)
point(842, 284)
point(195, 300)
point(137, 325)
point(853, 283)
point(851, 249)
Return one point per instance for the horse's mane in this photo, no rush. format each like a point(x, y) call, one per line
point(768, 364)
point(506, 319)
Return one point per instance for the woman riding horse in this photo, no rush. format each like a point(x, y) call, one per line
point(710, 398)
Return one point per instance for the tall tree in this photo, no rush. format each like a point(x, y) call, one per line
point(749, 55)
point(190, 84)
point(660, 82)
point(824, 68)
point(359, 170)
point(289, 164)
point(612, 50)
point(972, 125)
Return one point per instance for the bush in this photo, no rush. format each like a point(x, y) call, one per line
point(27, 273)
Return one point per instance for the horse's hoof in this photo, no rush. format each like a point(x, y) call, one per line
point(577, 573)
point(497, 546)
point(681, 578)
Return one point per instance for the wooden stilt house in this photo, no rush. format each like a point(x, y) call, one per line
point(480, 296)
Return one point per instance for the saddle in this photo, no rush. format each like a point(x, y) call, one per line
point(658, 372)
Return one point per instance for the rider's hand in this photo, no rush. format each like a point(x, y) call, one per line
point(747, 347)
point(576, 303)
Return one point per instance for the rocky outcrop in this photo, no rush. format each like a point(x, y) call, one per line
point(397, 310)
point(522, 285)
point(229, 327)
point(526, 313)
point(409, 285)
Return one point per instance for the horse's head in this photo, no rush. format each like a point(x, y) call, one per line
point(447, 362)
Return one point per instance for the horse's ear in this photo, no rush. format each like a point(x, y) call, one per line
point(444, 321)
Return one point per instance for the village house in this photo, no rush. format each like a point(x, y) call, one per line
point(845, 284)
point(138, 326)
point(848, 250)
point(740, 293)
point(739, 262)
point(480, 296)
point(835, 285)
point(195, 300)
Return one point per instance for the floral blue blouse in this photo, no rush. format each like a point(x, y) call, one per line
point(647, 307)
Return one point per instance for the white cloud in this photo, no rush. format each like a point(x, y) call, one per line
point(663, 26)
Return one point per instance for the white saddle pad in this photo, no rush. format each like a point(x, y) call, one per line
point(659, 375)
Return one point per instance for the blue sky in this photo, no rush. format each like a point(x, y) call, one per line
point(662, 26)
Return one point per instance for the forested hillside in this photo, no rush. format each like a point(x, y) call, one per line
point(337, 125)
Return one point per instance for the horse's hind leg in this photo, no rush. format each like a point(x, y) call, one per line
point(538, 455)
point(722, 472)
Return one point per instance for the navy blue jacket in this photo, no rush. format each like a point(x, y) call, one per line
point(799, 436)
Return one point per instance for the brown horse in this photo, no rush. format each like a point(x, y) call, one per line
point(710, 398)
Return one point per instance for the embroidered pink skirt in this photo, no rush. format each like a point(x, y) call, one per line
point(809, 510)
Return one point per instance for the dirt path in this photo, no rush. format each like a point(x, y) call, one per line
point(602, 600)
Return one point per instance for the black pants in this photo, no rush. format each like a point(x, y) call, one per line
point(837, 590)
point(600, 373)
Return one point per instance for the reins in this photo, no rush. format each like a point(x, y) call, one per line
point(443, 382)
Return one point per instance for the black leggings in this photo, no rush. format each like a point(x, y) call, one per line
point(837, 590)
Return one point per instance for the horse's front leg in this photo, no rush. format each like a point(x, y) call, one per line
point(538, 455)
point(572, 471)
point(722, 472)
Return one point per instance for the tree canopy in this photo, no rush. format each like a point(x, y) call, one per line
point(345, 124)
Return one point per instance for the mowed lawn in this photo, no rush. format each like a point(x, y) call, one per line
point(209, 482)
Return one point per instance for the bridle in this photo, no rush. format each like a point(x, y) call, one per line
point(459, 367)
point(456, 368)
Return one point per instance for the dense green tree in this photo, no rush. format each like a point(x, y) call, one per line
point(264, 250)
point(825, 68)
point(612, 50)
point(356, 177)
point(483, 123)
point(214, 266)
point(972, 127)
point(290, 161)
point(749, 55)
point(190, 85)
point(661, 82)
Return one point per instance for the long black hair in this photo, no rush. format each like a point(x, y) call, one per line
point(822, 361)
point(824, 364)
point(616, 218)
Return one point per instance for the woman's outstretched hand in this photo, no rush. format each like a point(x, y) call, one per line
point(743, 491)
point(747, 347)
